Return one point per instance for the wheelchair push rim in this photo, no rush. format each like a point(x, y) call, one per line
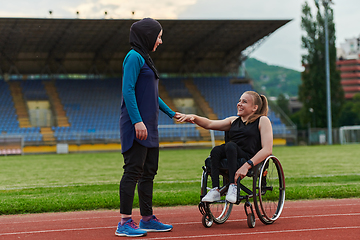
point(269, 190)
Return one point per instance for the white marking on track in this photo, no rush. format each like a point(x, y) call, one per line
point(191, 236)
point(55, 230)
point(191, 223)
point(183, 223)
point(257, 233)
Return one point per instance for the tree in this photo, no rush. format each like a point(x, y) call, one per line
point(283, 103)
point(351, 112)
point(312, 91)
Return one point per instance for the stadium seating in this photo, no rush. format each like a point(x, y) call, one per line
point(34, 90)
point(223, 97)
point(221, 94)
point(92, 107)
point(176, 87)
point(7, 111)
point(9, 125)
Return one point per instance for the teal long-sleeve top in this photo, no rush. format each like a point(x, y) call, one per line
point(140, 102)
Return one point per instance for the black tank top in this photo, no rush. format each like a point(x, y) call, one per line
point(246, 136)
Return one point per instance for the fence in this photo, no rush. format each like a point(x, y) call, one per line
point(167, 133)
point(11, 145)
point(317, 136)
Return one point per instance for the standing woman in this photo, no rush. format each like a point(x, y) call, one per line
point(139, 129)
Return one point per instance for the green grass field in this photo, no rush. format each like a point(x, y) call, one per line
point(49, 183)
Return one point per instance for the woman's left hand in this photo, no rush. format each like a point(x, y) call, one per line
point(241, 172)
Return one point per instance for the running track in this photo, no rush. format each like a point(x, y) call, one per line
point(319, 219)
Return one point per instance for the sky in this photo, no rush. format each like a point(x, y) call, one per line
point(282, 48)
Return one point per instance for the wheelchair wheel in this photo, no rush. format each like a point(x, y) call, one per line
point(207, 221)
point(269, 190)
point(251, 220)
point(218, 211)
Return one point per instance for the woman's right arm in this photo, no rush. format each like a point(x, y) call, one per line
point(133, 62)
point(221, 125)
point(132, 65)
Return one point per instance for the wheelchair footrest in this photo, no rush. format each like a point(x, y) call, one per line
point(248, 205)
point(201, 207)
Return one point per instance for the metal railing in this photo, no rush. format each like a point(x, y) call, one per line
point(167, 133)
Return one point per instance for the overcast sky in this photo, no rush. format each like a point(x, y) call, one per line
point(283, 48)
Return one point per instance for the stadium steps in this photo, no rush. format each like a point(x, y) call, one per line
point(48, 135)
point(19, 104)
point(201, 104)
point(60, 114)
point(164, 95)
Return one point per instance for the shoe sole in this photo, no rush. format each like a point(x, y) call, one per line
point(157, 230)
point(231, 201)
point(126, 235)
point(212, 200)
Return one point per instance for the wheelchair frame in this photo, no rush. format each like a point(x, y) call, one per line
point(268, 194)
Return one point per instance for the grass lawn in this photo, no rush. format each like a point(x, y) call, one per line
point(47, 183)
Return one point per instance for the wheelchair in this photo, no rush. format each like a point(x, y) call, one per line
point(267, 191)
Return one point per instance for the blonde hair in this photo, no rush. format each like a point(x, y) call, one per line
point(262, 103)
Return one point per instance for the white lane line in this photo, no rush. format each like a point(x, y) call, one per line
point(192, 236)
point(257, 233)
point(55, 230)
point(191, 223)
point(288, 217)
point(60, 219)
point(185, 223)
point(161, 214)
point(317, 206)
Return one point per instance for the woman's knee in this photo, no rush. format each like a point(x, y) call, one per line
point(231, 146)
point(217, 151)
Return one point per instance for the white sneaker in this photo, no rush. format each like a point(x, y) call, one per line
point(231, 195)
point(212, 196)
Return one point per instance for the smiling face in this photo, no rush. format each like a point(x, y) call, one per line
point(246, 107)
point(158, 41)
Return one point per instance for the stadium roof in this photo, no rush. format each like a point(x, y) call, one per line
point(52, 46)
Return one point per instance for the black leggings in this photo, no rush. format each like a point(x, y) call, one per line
point(231, 151)
point(141, 165)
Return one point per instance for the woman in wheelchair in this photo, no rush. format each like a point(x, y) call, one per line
point(249, 137)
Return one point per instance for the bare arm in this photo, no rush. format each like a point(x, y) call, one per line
point(221, 125)
point(266, 143)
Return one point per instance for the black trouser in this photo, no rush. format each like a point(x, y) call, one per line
point(141, 164)
point(231, 151)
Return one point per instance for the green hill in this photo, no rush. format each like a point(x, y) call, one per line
point(273, 79)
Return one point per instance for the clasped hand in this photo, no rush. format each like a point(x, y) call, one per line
point(187, 118)
point(141, 130)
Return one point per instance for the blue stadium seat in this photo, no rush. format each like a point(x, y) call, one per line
point(93, 106)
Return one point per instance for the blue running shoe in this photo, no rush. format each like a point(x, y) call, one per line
point(129, 229)
point(154, 225)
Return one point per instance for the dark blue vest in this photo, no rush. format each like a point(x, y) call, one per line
point(147, 98)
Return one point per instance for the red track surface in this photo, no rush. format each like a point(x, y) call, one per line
point(319, 219)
